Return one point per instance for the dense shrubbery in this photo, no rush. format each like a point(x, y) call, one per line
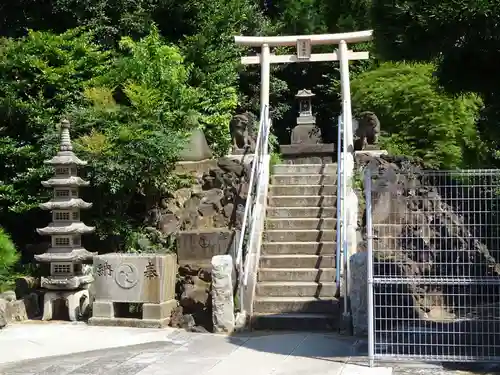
point(417, 119)
point(8, 257)
point(461, 38)
point(132, 111)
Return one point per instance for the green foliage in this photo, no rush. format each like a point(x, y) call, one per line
point(8, 257)
point(41, 75)
point(110, 20)
point(461, 35)
point(131, 113)
point(138, 117)
point(215, 59)
point(417, 119)
point(149, 240)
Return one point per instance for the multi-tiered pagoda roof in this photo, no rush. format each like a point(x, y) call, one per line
point(66, 228)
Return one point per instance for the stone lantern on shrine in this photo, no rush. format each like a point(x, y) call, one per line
point(305, 106)
point(307, 145)
point(305, 132)
point(66, 254)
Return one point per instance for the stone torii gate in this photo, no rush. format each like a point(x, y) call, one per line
point(304, 53)
point(303, 44)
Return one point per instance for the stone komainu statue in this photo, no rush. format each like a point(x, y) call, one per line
point(367, 132)
point(241, 129)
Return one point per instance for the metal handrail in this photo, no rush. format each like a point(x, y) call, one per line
point(256, 175)
point(340, 167)
point(342, 220)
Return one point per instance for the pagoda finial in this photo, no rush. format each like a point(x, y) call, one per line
point(65, 137)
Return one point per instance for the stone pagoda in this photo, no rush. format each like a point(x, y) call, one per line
point(67, 280)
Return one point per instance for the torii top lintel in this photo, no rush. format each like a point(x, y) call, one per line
point(318, 39)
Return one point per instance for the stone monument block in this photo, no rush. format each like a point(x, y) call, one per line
point(197, 147)
point(359, 293)
point(308, 153)
point(199, 247)
point(125, 279)
point(306, 134)
point(222, 293)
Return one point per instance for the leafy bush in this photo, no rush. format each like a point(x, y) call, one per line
point(136, 121)
point(417, 119)
point(8, 257)
point(131, 112)
point(41, 76)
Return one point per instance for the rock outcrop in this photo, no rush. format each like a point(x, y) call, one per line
point(430, 227)
point(215, 200)
point(13, 310)
point(195, 304)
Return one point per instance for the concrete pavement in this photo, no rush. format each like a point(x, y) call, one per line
point(78, 349)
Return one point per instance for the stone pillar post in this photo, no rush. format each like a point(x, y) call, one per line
point(222, 293)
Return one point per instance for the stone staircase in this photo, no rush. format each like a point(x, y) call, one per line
point(296, 286)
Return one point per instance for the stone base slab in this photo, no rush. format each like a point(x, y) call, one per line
point(308, 153)
point(195, 168)
point(372, 153)
point(129, 322)
point(154, 315)
point(242, 152)
point(245, 159)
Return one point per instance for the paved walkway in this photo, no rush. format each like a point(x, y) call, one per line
point(77, 349)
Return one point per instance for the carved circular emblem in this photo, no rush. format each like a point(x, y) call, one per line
point(204, 243)
point(126, 275)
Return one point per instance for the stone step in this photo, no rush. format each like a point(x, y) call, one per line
point(270, 305)
point(296, 289)
point(312, 248)
point(297, 261)
point(271, 235)
point(301, 223)
point(305, 169)
point(301, 212)
point(297, 321)
point(302, 201)
point(303, 179)
point(297, 274)
point(281, 190)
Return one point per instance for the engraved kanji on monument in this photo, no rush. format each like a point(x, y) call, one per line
point(147, 280)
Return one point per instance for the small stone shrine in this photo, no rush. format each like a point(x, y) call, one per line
point(306, 146)
point(306, 131)
point(67, 280)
